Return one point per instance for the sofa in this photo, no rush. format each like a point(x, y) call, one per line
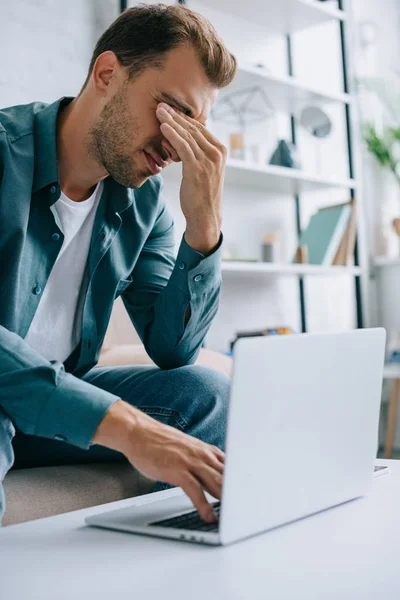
point(38, 492)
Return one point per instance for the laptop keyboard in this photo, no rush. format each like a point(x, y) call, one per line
point(191, 520)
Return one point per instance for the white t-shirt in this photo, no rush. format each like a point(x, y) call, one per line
point(57, 325)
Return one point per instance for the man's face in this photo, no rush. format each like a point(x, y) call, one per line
point(128, 128)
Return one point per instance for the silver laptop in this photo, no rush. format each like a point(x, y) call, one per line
point(301, 437)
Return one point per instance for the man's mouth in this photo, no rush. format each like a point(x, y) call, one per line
point(155, 163)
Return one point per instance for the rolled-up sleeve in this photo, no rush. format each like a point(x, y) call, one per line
point(164, 286)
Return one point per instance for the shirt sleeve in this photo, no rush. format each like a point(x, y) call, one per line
point(162, 289)
point(42, 399)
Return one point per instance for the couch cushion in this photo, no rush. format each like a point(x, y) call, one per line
point(45, 491)
point(135, 354)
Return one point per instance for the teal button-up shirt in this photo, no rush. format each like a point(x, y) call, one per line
point(131, 254)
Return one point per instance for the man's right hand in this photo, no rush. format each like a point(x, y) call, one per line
point(164, 453)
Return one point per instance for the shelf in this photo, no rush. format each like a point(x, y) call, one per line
point(285, 93)
point(275, 179)
point(282, 16)
point(384, 261)
point(391, 371)
point(260, 268)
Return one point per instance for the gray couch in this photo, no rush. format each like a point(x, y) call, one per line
point(34, 493)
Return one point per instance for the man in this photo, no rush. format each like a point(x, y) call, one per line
point(82, 221)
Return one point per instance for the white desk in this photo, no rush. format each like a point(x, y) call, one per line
point(351, 552)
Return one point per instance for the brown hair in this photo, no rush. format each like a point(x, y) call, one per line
point(141, 35)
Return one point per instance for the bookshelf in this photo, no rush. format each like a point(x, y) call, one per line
point(285, 18)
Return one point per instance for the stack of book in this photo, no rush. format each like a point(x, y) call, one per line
point(330, 236)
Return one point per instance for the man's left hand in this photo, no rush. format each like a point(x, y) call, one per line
point(203, 168)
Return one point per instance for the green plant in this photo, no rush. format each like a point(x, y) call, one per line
point(382, 147)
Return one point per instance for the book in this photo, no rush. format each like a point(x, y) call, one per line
point(324, 234)
point(344, 255)
point(352, 234)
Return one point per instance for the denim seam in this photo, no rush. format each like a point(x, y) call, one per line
point(167, 412)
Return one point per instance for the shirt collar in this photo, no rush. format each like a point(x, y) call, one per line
point(45, 134)
point(46, 167)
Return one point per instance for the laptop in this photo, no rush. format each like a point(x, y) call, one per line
point(302, 436)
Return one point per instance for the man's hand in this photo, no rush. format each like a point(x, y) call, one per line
point(164, 453)
point(203, 168)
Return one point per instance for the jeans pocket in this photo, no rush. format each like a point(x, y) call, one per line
point(167, 416)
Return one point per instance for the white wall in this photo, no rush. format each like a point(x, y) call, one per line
point(46, 46)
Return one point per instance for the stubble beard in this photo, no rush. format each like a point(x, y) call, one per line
point(110, 142)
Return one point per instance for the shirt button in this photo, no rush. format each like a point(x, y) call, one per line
point(198, 278)
point(37, 290)
point(181, 265)
point(60, 438)
point(56, 237)
point(53, 189)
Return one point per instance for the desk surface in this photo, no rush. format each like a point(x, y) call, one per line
point(349, 552)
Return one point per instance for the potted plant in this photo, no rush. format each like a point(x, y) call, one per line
point(384, 149)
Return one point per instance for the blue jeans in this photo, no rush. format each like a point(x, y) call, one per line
point(193, 399)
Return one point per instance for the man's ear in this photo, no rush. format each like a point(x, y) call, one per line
point(107, 72)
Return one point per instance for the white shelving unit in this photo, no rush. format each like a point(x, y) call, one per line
point(286, 92)
point(383, 261)
point(255, 268)
point(281, 180)
point(281, 16)
point(285, 17)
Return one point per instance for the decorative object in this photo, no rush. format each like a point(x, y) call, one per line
point(383, 147)
point(242, 108)
point(318, 124)
point(236, 146)
point(270, 248)
point(315, 121)
point(285, 155)
point(254, 153)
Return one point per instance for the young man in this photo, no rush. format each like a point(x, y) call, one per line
point(82, 221)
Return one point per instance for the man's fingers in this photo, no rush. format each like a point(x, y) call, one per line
point(187, 131)
point(167, 119)
point(219, 453)
point(182, 147)
point(210, 479)
point(199, 132)
point(214, 462)
point(195, 130)
point(193, 488)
